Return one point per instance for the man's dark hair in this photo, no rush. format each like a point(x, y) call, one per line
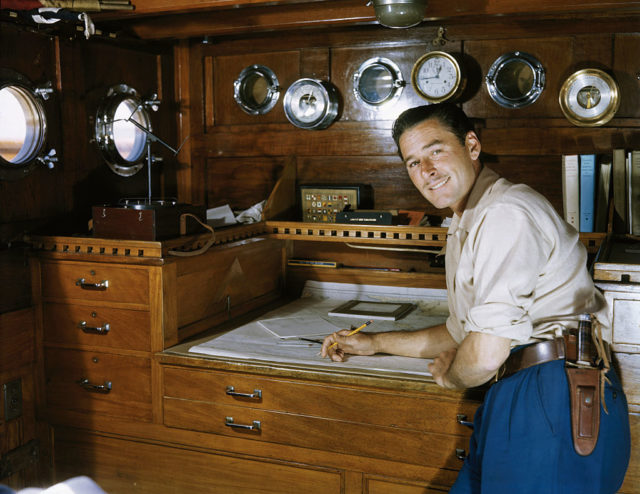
point(447, 114)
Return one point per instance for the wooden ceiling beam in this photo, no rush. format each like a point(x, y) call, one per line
point(249, 16)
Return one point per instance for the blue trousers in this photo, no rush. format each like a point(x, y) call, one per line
point(522, 439)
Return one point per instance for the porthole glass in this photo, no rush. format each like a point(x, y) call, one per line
point(23, 125)
point(256, 89)
point(121, 127)
point(515, 80)
point(378, 82)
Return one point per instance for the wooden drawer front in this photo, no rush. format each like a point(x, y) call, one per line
point(97, 326)
point(626, 318)
point(62, 280)
point(338, 436)
point(125, 467)
point(389, 409)
point(378, 486)
point(130, 378)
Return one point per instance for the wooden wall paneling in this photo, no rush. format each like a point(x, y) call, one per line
point(138, 69)
point(17, 355)
point(17, 331)
point(182, 98)
point(555, 54)
point(165, 126)
point(241, 182)
point(392, 188)
point(284, 140)
point(192, 99)
point(523, 141)
point(346, 61)
point(15, 282)
point(315, 63)
point(286, 67)
point(346, 12)
point(540, 172)
point(626, 70)
point(41, 194)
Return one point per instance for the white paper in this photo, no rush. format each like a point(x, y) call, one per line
point(221, 216)
point(299, 326)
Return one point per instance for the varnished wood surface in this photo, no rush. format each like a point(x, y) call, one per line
point(338, 402)
point(211, 19)
point(120, 328)
point(130, 378)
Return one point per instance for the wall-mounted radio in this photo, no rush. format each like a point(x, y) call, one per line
point(321, 202)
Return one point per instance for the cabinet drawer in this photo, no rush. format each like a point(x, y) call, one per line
point(389, 443)
point(99, 383)
point(95, 282)
point(97, 326)
point(384, 408)
point(626, 318)
point(124, 466)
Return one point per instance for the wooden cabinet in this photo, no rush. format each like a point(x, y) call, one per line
point(391, 425)
point(101, 317)
point(624, 306)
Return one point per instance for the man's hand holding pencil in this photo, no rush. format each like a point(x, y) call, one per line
point(348, 341)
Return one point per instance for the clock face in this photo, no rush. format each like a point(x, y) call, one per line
point(311, 104)
point(589, 98)
point(436, 76)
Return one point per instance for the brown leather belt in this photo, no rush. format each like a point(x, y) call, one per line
point(537, 353)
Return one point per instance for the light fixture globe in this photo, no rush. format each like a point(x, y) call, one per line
point(400, 13)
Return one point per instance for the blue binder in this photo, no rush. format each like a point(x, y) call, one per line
point(587, 191)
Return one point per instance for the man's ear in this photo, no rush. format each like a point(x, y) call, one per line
point(473, 145)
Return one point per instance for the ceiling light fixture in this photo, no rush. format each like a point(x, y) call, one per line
point(399, 13)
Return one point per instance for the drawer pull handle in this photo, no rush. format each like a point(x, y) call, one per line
point(95, 388)
point(255, 426)
point(461, 454)
point(94, 330)
point(462, 420)
point(256, 395)
point(102, 286)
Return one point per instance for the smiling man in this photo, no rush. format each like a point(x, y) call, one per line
point(516, 282)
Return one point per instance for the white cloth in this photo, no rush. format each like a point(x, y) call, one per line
point(75, 485)
point(514, 267)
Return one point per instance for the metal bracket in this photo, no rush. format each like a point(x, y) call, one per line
point(440, 39)
point(12, 392)
point(19, 458)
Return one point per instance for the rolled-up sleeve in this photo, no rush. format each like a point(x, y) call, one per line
point(505, 259)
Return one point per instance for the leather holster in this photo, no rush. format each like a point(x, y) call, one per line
point(584, 392)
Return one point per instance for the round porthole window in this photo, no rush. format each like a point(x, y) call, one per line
point(515, 80)
point(378, 82)
point(23, 125)
point(256, 89)
point(121, 130)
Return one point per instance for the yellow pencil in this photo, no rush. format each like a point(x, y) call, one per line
point(359, 328)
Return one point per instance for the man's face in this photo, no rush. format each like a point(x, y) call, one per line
point(440, 167)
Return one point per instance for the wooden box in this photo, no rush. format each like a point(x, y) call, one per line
point(145, 222)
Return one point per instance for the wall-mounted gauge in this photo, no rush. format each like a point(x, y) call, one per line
point(589, 98)
point(377, 83)
point(256, 89)
point(311, 104)
point(515, 80)
point(437, 76)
